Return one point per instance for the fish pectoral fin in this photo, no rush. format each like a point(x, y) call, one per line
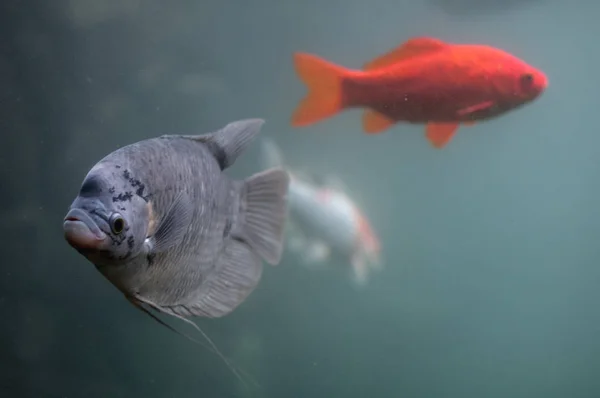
point(412, 48)
point(439, 134)
point(227, 143)
point(375, 122)
point(265, 199)
point(173, 227)
point(237, 273)
point(482, 106)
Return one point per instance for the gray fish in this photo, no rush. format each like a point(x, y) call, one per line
point(163, 223)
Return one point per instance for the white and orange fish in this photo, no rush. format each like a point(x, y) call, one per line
point(325, 224)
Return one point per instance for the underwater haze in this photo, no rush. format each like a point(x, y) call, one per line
point(491, 244)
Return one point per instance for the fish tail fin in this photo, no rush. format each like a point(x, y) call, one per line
point(265, 202)
point(323, 80)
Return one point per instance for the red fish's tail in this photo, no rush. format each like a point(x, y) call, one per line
point(324, 82)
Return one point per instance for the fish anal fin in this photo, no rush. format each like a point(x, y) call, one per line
point(375, 122)
point(237, 274)
point(412, 48)
point(439, 134)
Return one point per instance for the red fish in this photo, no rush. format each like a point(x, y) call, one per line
point(425, 80)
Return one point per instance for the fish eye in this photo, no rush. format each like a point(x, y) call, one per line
point(527, 78)
point(117, 224)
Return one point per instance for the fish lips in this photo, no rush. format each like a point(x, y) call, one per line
point(81, 231)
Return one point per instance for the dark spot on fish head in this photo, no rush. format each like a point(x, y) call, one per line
point(92, 186)
point(140, 191)
point(135, 185)
point(123, 197)
point(130, 242)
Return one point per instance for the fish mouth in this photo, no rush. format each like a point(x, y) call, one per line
point(81, 231)
point(545, 82)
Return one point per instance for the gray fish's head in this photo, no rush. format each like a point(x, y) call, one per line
point(107, 222)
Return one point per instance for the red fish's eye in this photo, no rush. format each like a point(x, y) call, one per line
point(527, 79)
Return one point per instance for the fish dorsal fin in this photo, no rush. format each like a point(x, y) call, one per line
point(412, 48)
point(227, 143)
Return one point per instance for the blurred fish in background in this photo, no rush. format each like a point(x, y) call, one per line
point(324, 224)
